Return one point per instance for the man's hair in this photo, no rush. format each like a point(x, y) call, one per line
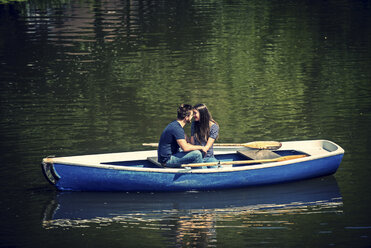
point(184, 110)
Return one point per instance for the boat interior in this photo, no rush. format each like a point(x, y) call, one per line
point(151, 162)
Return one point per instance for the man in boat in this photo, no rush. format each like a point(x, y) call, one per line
point(173, 137)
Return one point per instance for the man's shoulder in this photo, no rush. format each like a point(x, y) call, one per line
point(175, 129)
point(174, 125)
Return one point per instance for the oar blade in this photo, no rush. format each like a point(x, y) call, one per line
point(264, 145)
point(150, 144)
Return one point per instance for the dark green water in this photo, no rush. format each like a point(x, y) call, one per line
point(82, 77)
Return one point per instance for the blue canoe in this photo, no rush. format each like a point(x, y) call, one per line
point(138, 171)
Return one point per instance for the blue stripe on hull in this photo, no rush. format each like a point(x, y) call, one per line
point(80, 178)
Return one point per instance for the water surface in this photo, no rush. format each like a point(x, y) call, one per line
point(82, 77)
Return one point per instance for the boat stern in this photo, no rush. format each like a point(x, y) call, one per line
point(47, 167)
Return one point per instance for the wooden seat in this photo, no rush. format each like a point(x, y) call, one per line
point(154, 160)
point(258, 154)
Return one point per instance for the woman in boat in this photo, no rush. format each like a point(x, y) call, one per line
point(204, 131)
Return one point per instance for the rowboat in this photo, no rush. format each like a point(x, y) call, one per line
point(238, 167)
point(76, 209)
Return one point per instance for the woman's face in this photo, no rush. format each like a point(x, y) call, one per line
point(196, 115)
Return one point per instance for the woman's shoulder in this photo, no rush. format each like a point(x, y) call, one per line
point(214, 131)
point(214, 127)
point(213, 124)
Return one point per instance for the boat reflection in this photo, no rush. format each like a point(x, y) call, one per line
point(83, 208)
point(191, 218)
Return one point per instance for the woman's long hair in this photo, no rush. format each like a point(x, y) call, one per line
point(202, 127)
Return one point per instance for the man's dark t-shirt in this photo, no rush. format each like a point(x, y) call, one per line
point(168, 141)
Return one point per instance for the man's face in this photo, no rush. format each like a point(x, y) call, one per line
point(189, 118)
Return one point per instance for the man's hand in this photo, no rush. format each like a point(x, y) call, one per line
point(187, 147)
point(204, 150)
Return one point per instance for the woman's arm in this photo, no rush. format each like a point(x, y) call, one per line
point(209, 143)
point(187, 147)
point(214, 132)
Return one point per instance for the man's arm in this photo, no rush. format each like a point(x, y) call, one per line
point(187, 147)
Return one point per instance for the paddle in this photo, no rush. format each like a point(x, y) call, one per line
point(260, 145)
point(279, 159)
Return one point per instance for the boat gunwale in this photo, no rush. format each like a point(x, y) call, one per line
point(337, 151)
